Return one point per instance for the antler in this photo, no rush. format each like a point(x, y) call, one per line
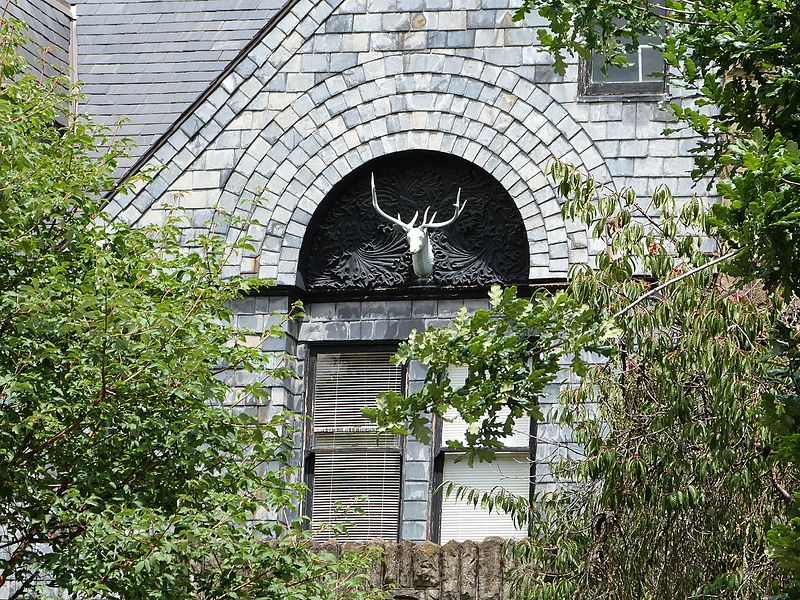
point(397, 221)
point(459, 208)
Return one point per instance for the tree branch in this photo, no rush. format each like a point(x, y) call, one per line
point(663, 286)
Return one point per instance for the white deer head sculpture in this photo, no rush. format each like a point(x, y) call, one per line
point(419, 242)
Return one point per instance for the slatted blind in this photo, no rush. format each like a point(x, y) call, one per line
point(356, 470)
point(344, 384)
point(366, 480)
point(509, 470)
point(454, 427)
point(459, 520)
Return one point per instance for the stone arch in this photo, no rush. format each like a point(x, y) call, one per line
point(352, 115)
point(348, 246)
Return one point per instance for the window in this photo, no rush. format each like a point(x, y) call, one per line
point(510, 470)
point(644, 75)
point(349, 465)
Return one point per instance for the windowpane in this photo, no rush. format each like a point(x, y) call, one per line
point(367, 484)
point(347, 382)
point(356, 470)
point(459, 520)
point(652, 62)
point(636, 79)
point(455, 428)
point(509, 470)
point(615, 73)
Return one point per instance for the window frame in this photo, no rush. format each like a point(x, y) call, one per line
point(309, 453)
point(440, 451)
point(607, 91)
point(631, 91)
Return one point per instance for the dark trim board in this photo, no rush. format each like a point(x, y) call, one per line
point(619, 91)
point(432, 292)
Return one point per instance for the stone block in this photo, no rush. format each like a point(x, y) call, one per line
point(417, 451)
point(453, 20)
point(336, 331)
point(417, 471)
point(339, 24)
point(427, 567)
point(469, 571)
point(415, 510)
point(490, 570)
point(424, 308)
point(406, 560)
point(416, 490)
point(385, 330)
point(451, 570)
point(391, 573)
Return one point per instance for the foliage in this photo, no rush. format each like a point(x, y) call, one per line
point(130, 465)
point(760, 214)
point(669, 486)
point(512, 352)
point(736, 62)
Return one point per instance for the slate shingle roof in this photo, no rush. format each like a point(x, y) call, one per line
point(147, 60)
point(49, 30)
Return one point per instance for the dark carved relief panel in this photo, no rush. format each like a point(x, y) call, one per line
point(349, 246)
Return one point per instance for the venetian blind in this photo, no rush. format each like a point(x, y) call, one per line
point(361, 488)
point(454, 427)
point(459, 520)
point(510, 471)
point(356, 470)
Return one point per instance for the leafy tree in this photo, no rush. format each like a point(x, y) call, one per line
point(737, 62)
point(668, 483)
point(129, 467)
point(689, 425)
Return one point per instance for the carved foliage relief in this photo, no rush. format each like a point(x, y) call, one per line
point(349, 246)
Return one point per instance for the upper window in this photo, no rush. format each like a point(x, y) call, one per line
point(353, 472)
point(645, 73)
point(510, 470)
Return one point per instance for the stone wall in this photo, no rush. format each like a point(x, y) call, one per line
point(337, 83)
point(385, 320)
point(455, 571)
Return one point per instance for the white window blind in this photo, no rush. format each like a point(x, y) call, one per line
point(510, 470)
point(454, 427)
point(459, 520)
point(361, 488)
point(356, 470)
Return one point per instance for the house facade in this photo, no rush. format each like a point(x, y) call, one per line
point(281, 114)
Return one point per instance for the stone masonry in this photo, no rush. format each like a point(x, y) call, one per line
point(377, 321)
point(455, 571)
point(336, 83)
point(332, 84)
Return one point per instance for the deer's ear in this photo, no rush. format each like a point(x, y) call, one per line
point(397, 229)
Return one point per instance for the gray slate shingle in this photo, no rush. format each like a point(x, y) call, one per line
point(147, 60)
point(49, 29)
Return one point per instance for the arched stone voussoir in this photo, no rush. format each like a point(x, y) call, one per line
point(294, 179)
point(546, 234)
point(462, 80)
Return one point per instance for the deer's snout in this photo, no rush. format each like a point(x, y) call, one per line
point(416, 240)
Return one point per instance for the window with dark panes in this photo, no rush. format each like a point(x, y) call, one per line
point(643, 75)
point(354, 473)
point(510, 470)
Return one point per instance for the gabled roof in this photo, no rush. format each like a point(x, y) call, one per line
point(147, 60)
